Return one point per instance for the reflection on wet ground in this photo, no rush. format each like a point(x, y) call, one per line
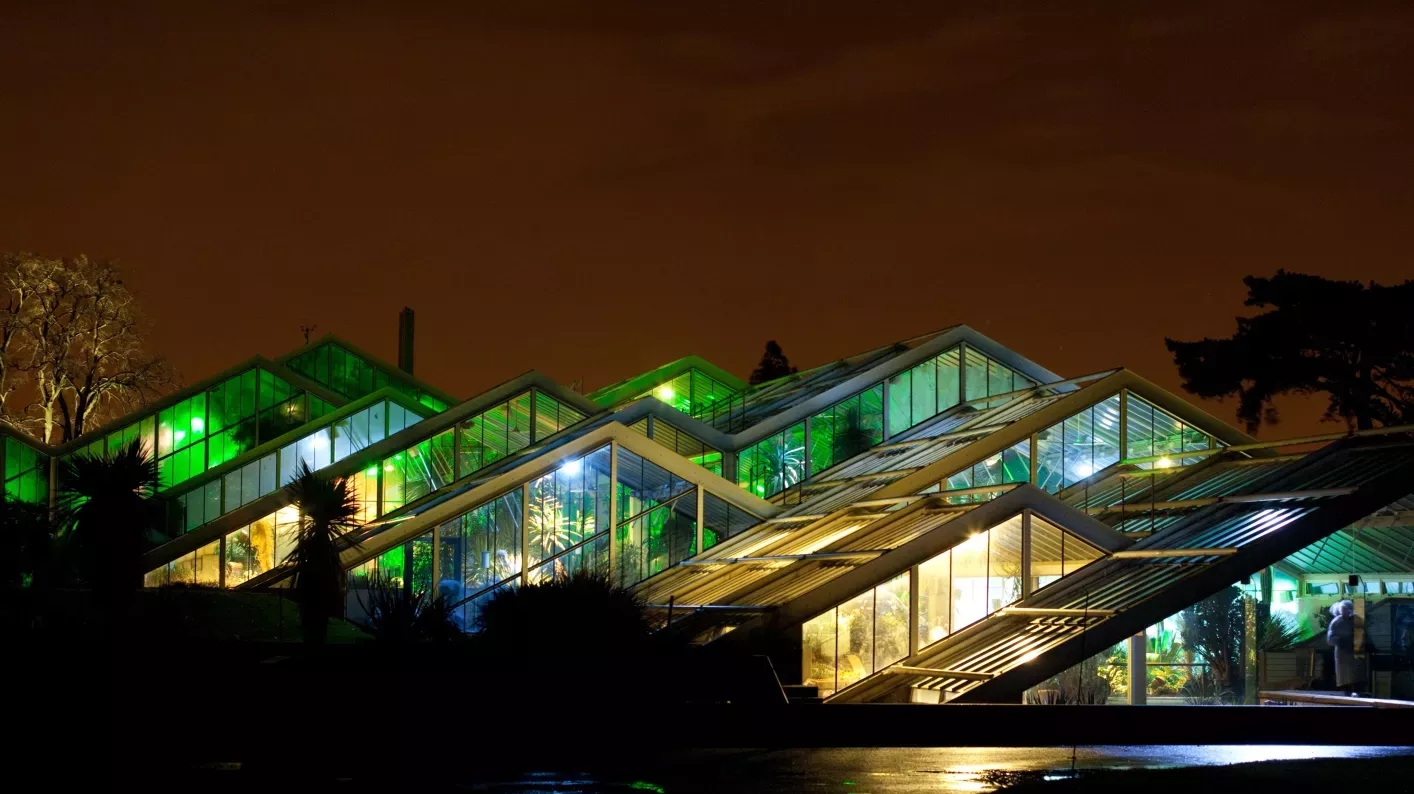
point(897, 770)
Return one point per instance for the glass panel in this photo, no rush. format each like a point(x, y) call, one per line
point(891, 621)
point(976, 373)
point(1106, 433)
point(721, 520)
point(856, 638)
point(568, 505)
point(1079, 452)
point(900, 403)
point(1045, 553)
point(998, 378)
point(822, 441)
point(286, 531)
point(206, 564)
point(421, 548)
point(969, 581)
point(1004, 564)
point(934, 599)
point(1078, 554)
point(925, 391)
point(948, 364)
point(244, 559)
point(818, 640)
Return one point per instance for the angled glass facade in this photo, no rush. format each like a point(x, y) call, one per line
point(745, 500)
point(354, 376)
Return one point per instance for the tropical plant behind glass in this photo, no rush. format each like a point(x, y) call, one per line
point(782, 464)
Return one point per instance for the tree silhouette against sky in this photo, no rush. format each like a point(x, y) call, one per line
point(1351, 341)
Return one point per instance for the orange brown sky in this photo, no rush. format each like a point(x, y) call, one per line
point(592, 189)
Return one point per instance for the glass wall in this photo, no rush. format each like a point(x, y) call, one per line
point(773, 464)
point(656, 525)
point(721, 520)
point(321, 447)
point(986, 377)
point(494, 434)
point(858, 637)
point(681, 443)
point(693, 392)
point(1011, 465)
point(1070, 451)
point(1152, 431)
point(567, 507)
point(956, 588)
point(214, 426)
point(353, 376)
point(1087, 442)
point(26, 473)
point(201, 567)
point(479, 550)
point(860, 422)
point(925, 391)
point(846, 429)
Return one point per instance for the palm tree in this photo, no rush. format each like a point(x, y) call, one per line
point(108, 516)
point(328, 511)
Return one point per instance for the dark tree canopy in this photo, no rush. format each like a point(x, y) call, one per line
point(774, 364)
point(1351, 341)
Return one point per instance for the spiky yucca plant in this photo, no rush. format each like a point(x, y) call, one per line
point(107, 515)
point(328, 511)
point(583, 613)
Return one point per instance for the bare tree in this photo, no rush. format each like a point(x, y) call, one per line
point(78, 347)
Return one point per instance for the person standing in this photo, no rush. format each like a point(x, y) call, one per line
point(1340, 635)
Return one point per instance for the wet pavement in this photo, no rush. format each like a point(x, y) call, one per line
point(896, 770)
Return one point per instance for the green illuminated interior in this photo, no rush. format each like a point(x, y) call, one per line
point(214, 426)
point(857, 423)
point(494, 434)
point(692, 392)
point(319, 448)
point(353, 376)
point(26, 473)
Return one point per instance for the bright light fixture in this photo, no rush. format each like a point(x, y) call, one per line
point(388, 467)
point(373, 472)
point(197, 425)
point(318, 441)
point(178, 436)
point(1083, 470)
point(1163, 463)
point(666, 393)
point(571, 469)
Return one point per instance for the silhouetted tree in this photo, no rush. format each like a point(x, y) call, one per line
point(108, 516)
point(328, 510)
point(1352, 341)
point(72, 340)
point(774, 364)
point(582, 612)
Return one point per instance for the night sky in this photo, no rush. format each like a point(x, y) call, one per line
point(593, 189)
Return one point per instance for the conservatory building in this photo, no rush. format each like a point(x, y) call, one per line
point(936, 520)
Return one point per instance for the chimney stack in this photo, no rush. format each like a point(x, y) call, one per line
point(405, 340)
